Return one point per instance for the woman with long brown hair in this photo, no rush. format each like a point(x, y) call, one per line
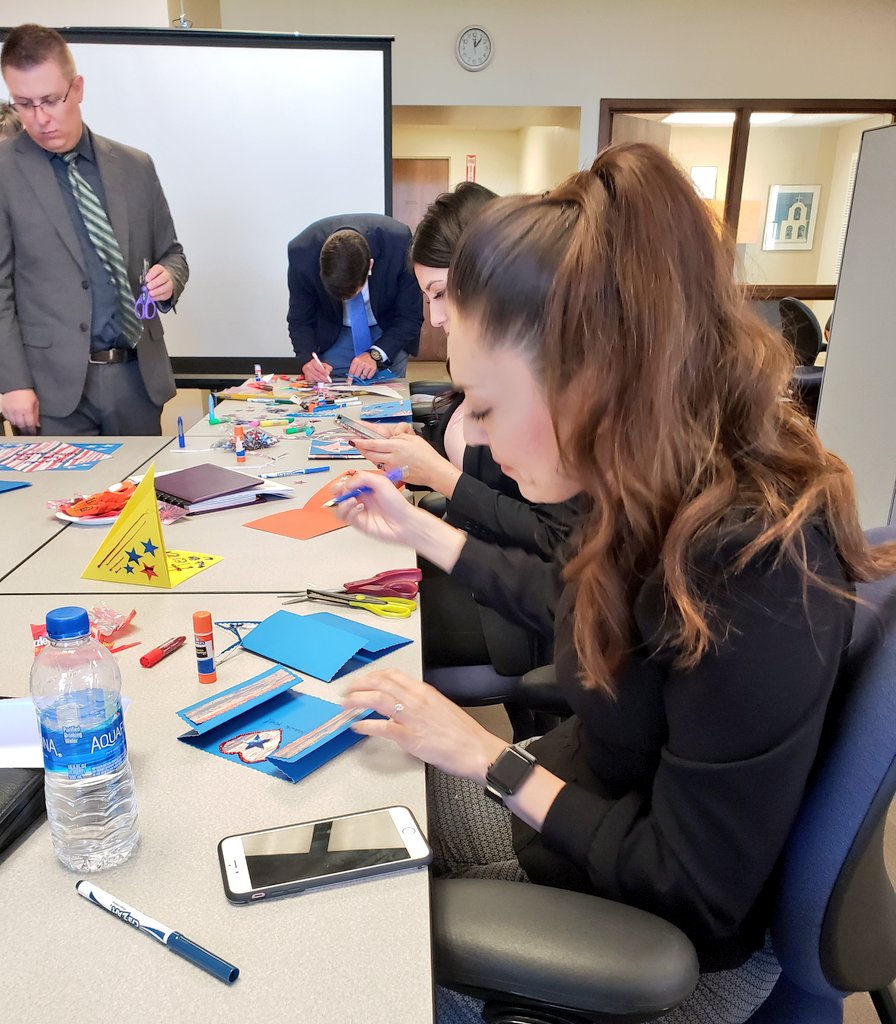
point(606, 350)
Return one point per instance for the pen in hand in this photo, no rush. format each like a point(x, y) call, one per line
point(316, 358)
point(395, 475)
point(176, 942)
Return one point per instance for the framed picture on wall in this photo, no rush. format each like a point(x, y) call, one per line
point(790, 217)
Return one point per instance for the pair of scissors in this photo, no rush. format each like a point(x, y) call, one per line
point(385, 607)
point(144, 306)
point(235, 628)
point(391, 583)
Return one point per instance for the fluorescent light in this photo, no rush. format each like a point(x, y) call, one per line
point(768, 117)
point(705, 118)
point(720, 118)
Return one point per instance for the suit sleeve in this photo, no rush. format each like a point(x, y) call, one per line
point(14, 372)
point(167, 251)
point(303, 308)
point(403, 333)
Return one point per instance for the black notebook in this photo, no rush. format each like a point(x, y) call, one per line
point(199, 484)
point(21, 801)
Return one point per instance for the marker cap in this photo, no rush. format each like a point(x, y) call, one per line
point(196, 954)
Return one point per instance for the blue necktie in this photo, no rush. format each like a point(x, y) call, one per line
point(357, 318)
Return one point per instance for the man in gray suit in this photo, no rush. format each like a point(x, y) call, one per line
point(79, 217)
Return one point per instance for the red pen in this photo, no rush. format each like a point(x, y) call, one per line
point(154, 656)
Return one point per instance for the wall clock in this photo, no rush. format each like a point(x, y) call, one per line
point(474, 48)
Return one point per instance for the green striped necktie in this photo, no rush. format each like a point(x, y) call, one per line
point(101, 235)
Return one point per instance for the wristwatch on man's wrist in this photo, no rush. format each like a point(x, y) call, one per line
point(508, 772)
point(377, 356)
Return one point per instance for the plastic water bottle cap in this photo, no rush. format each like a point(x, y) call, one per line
point(67, 623)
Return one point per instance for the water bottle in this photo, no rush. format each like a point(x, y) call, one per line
point(89, 788)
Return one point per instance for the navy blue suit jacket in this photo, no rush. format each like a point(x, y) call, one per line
point(315, 317)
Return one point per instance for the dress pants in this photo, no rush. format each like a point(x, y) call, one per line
point(114, 402)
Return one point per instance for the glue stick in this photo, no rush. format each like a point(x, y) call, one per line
point(258, 371)
point(238, 446)
point(205, 646)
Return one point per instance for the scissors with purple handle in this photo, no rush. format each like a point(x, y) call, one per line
point(144, 306)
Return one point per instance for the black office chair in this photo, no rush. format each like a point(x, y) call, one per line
point(801, 328)
point(423, 393)
point(538, 955)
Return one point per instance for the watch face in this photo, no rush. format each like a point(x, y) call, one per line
point(474, 48)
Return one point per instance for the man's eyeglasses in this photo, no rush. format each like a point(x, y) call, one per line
point(51, 103)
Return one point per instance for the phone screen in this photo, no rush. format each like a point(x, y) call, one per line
point(322, 848)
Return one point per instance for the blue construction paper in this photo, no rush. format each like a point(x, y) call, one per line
point(259, 733)
point(13, 485)
point(286, 682)
point(322, 645)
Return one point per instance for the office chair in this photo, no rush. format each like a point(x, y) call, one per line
point(801, 328)
point(538, 955)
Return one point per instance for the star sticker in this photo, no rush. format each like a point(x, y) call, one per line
point(256, 744)
point(129, 568)
point(148, 547)
point(133, 556)
point(150, 572)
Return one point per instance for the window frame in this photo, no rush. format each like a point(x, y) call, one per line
point(737, 158)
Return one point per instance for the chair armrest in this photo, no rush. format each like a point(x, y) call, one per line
point(559, 947)
point(538, 691)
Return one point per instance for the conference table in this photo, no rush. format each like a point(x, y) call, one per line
point(27, 522)
point(359, 951)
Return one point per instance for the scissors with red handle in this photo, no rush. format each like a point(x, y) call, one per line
point(391, 583)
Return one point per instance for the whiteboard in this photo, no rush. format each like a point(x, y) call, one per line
point(858, 394)
point(254, 136)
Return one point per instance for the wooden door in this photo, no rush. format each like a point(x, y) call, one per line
point(415, 184)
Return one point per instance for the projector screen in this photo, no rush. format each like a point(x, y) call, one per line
point(254, 136)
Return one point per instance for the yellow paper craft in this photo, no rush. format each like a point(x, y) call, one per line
point(184, 564)
point(134, 548)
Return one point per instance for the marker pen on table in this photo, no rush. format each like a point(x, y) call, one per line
point(204, 638)
point(211, 410)
point(181, 443)
point(239, 447)
point(274, 423)
point(176, 942)
point(316, 358)
point(393, 474)
point(154, 656)
point(295, 472)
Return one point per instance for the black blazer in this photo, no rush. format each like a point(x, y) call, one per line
point(315, 317)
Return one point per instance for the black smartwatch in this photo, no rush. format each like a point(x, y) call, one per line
point(508, 772)
point(377, 357)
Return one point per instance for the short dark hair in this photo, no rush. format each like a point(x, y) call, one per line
point(443, 223)
point(10, 123)
point(29, 45)
point(344, 263)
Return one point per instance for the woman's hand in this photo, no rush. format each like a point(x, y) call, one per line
point(384, 513)
point(424, 464)
point(424, 723)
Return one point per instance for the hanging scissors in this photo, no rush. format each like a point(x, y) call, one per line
point(386, 607)
point(235, 628)
point(391, 583)
point(144, 306)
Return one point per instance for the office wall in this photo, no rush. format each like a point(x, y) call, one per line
point(497, 153)
point(95, 13)
point(573, 52)
point(547, 156)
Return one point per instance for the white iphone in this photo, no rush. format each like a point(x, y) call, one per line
point(357, 427)
point(292, 858)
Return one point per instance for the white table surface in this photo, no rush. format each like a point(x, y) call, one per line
point(359, 952)
point(28, 523)
point(253, 561)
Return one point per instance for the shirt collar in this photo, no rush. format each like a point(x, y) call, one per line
point(84, 148)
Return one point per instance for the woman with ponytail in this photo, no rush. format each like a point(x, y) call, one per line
point(606, 352)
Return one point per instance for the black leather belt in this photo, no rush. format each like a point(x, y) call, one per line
point(113, 355)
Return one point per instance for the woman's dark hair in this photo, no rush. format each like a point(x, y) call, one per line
point(438, 233)
point(669, 396)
